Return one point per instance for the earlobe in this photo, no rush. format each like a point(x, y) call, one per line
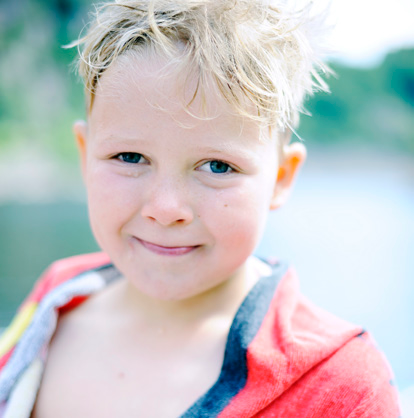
point(294, 155)
point(80, 129)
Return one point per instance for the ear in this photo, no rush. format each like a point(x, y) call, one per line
point(80, 129)
point(294, 155)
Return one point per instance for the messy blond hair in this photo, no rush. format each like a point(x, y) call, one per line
point(254, 49)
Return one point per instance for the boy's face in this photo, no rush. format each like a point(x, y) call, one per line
point(177, 202)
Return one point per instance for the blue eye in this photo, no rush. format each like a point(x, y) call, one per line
point(216, 167)
point(219, 167)
point(129, 157)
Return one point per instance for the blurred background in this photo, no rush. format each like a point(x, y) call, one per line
point(349, 227)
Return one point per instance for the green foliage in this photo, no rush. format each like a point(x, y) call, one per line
point(372, 106)
point(41, 97)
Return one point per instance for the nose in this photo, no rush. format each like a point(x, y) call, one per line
point(167, 203)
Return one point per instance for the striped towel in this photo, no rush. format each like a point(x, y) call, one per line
point(24, 344)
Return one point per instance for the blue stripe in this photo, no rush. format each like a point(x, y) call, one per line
point(246, 324)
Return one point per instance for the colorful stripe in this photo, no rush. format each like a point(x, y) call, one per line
point(12, 334)
point(246, 324)
point(21, 401)
point(62, 270)
point(43, 323)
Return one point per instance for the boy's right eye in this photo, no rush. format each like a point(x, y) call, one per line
point(129, 157)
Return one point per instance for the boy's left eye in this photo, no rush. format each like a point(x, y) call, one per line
point(130, 157)
point(216, 167)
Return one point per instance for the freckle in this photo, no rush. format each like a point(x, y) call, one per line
point(225, 205)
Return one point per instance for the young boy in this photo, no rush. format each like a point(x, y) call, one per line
point(185, 150)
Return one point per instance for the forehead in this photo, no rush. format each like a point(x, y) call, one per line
point(147, 84)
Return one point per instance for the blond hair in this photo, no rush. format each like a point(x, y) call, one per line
point(254, 49)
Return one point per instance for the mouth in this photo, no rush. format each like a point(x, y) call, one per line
point(164, 250)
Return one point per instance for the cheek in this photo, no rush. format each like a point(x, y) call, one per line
point(109, 202)
point(107, 188)
point(239, 215)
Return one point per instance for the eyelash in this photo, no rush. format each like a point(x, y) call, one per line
point(130, 154)
point(229, 170)
point(136, 155)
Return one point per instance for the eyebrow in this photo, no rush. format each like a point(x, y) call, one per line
point(230, 150)
point(124, 140)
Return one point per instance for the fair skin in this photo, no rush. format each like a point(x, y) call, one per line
point(179, 204)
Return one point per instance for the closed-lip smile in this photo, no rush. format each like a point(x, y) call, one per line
point(166, 250)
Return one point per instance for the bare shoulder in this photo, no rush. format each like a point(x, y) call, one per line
point(100, 366)
point(72, 364)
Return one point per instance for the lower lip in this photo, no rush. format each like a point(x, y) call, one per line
point(171, 251)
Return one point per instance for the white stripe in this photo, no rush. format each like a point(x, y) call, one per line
point(43, 326)
point(23, 396)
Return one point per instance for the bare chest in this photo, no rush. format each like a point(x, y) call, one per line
point(98, 375)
